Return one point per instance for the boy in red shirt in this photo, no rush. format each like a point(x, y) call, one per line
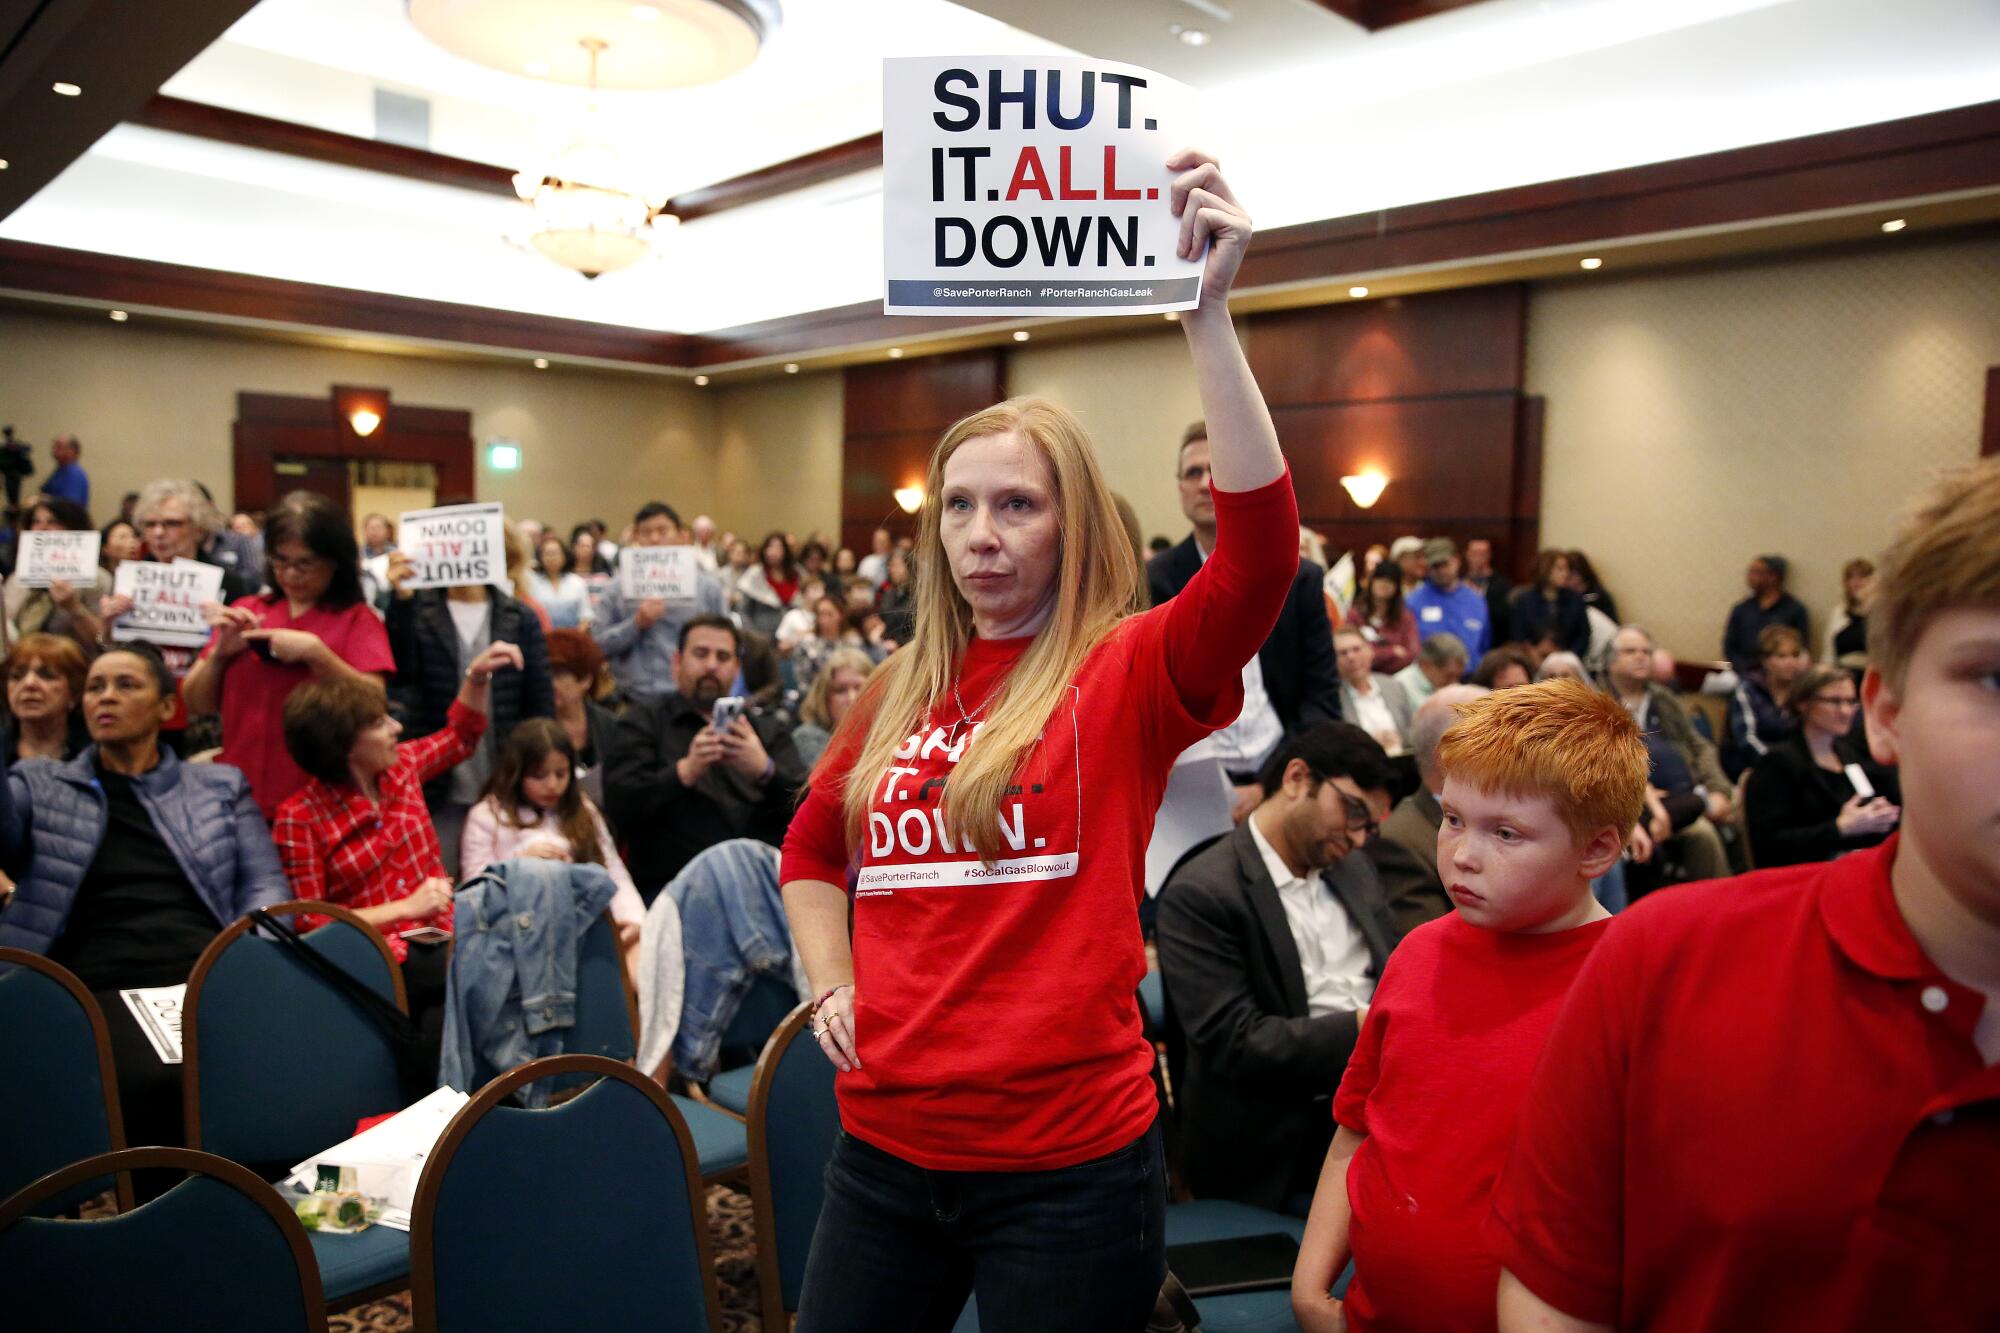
point(1541, 785)
point(1773, 1102)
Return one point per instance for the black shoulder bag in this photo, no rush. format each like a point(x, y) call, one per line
point(416, 1063)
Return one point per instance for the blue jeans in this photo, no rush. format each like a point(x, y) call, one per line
point(898, 1248)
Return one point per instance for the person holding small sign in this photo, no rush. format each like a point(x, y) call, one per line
point(640, 635)
point(313, 624)
point(997, 783)
point(57, 605)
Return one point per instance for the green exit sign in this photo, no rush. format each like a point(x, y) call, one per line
point(503, 457)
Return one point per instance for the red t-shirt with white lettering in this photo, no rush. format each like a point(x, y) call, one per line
point(995, 1007)
point(1435, 1082)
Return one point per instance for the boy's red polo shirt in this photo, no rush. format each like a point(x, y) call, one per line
point(1762, 1108)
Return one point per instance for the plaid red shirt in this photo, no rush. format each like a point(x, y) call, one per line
point(339, 847)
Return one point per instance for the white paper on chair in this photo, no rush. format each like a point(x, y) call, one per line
point(1194, 809)
point(157, 1009)
point(388, 1158)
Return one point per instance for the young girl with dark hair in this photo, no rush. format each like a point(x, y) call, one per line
point(310, 622)
point(533, 807)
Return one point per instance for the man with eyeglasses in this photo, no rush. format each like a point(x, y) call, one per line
point(1270, 943)
point(1292, 682)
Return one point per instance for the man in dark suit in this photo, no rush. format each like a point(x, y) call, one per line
point(1291, 683)
point(1270, 943)
point(1489, 583)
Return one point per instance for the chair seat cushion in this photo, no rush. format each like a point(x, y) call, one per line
point(1220, 1219)
point(348, 1264)
point(721, 1143)
point(731, 1089)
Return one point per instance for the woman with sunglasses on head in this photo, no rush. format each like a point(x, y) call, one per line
point(310, 623)
point(1816, 794)
point(996, 785)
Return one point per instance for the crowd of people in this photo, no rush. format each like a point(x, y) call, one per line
point(1441, 790)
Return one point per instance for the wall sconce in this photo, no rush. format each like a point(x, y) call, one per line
point(1365, 488)
point(909, 499)
point(364, 421)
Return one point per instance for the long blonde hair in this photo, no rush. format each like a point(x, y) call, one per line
point(1097, 585)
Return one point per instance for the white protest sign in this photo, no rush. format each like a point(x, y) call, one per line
point(166, 601)
point(667, 572)
point(48, 556)
point(1032, 185)
point(157, 1009)
point(458, 546)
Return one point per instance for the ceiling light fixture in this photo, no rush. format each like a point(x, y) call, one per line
point(1593, 262)
point(895, 353)
point(1895, 224)
point(1020, 335)
point(1364, 488)
point(701, 381)
point(3, 164)
point(660, 44)
point(1173, 317)
point(364, 421)
point(910, 498)
point(541, 363)
point(791, 367)
point(65, 90)
point(590, 217)
point(119, 317)
point(1357, 292)
point(1189, 36)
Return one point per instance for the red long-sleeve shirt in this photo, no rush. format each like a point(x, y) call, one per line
point(994, 1005)
point(338, 846)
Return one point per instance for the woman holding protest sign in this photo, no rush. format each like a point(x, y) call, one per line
point(436, 634)
point(62, 607)
point(310, 623)
point(995, 1088)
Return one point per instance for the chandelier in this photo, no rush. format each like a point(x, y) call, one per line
point(589, 215)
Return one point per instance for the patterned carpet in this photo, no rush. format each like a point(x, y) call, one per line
point(730, 1226)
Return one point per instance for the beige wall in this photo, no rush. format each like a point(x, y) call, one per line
point(777, 456)
point(1135, 396)
point(1699, 417)
point(150, 401)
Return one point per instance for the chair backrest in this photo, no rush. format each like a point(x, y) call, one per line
point(767, 1003)
point(219, 1251)
point(607, 1011)
point(278, 1064)
point(793, 1123)
point(63, 1103)
point(614, 1165)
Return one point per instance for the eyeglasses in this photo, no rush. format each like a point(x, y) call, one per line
point(1359, 816)
point(303, 565)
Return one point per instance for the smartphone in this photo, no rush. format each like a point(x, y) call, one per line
point(727, 709)
point(425, 935)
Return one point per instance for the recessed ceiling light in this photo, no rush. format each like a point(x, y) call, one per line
point(1895, 224)
point(701, 381)
point(1173, 316)
point(65, 90)
point(1357, 292)
point(1592, 262)
point(791, 367)
point(645, 13)
point(1020, 335)
point(895, 353)
point(119, 317)
point(537, 68)
point(1189, 36)
point(541, 363)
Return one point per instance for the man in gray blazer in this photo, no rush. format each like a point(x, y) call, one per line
point(1270, 944)
point(1371, 701)
point(1406, 855)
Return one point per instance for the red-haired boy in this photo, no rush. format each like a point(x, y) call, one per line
point(1773, 1102)
point(1541, 785)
